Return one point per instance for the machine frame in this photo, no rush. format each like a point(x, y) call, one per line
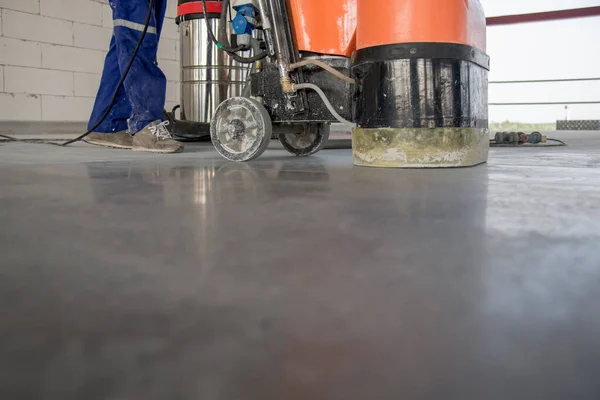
point(276, 105)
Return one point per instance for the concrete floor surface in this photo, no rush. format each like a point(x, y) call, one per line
point(141, 276)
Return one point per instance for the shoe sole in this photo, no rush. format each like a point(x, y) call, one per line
point(144, 150)
point(110, 145)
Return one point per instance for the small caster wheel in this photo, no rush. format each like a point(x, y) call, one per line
point(241, 129)
point(307, 142)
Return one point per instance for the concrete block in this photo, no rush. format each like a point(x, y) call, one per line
point(20, 52)
point(56, 108)
point(107, 16)
point(29, 6)
point(72, 59)
point(36, 28)
point(170, 29)
point(20, 107)
point(173, 92)
point(171, 9)
point(167, 49)
point(1, 78)
point(92, 37)
point(578, 125)
point(86, 85)
point(171, 69)
point(38, 81)
point(84, 11)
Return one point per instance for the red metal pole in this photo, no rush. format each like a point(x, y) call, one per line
point(544, 16)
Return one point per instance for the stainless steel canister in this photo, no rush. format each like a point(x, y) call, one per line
point(208, 75)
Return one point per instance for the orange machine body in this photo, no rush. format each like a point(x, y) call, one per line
point(325, 26)
point(340, 27)
point(412, 21)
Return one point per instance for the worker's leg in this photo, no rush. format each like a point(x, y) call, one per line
point(112, 131)
point(145, 84)
point(116, 121)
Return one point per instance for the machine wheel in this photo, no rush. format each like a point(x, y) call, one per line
point(241, 129)
point(308, 142)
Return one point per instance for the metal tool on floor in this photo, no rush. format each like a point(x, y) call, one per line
point(519, 138)
point(508, 139)
point(409, 75)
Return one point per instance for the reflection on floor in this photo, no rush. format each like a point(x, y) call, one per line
point(141, 276)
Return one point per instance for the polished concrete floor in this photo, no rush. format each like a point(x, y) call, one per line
point(129, 276)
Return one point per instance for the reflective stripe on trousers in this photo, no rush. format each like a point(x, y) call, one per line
point(133, 25)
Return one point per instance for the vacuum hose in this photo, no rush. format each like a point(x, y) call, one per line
point(326, 101)
point(223, 33)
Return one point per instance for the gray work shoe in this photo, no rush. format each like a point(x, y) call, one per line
point(117, 140)
point(155, 138)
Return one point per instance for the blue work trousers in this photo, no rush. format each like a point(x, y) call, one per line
point(142, 98)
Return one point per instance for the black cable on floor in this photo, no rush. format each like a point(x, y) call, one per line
point(35, 141)
point(528, 145)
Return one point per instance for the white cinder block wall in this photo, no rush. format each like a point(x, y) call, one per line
point(52, 53)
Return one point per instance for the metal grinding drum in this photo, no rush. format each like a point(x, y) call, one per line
point(422, 93)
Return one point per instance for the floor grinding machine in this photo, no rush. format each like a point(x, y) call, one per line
point(409, 77)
